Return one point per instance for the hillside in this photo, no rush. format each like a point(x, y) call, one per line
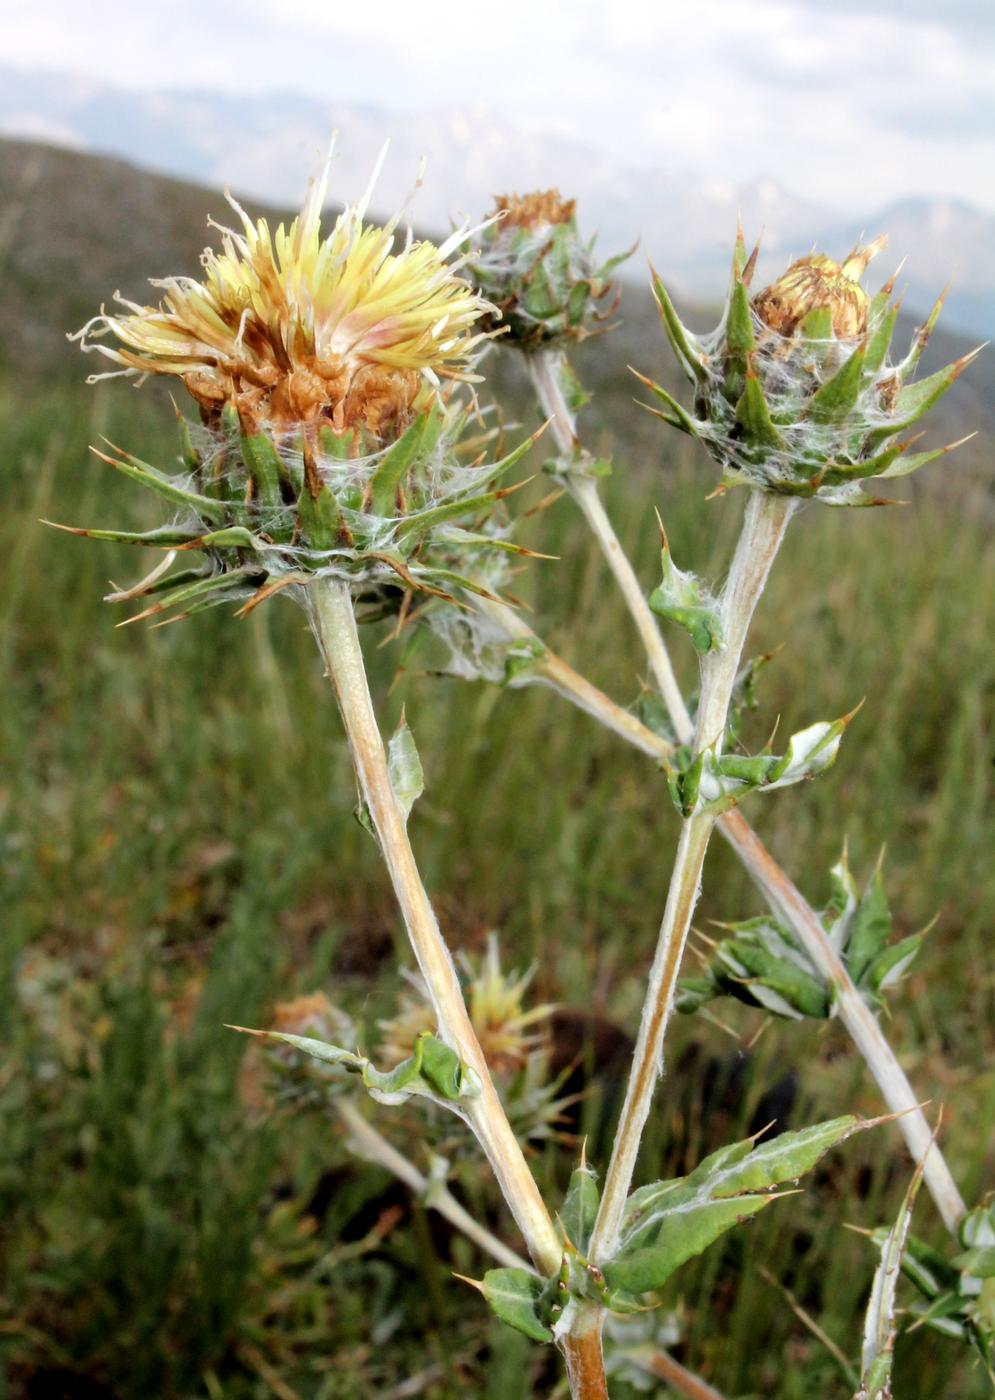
point(75, 227)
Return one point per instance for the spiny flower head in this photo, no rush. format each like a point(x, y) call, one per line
point(295, 326)
point(794, 392)
point(543, 279)
point(507, 1031)
point(328, 445)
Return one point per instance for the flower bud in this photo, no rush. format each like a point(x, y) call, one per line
point(816, 283)
point(794, 391)
point(542, 278)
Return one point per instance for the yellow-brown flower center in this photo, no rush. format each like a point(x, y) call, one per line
point(811, 284)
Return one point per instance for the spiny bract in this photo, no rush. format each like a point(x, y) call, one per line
point(794, 391)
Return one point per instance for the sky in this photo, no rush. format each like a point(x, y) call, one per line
point(854, 102)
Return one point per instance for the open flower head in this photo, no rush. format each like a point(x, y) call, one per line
point(508, 1031)
point(795, 391)
point(298, 325)
point(545, 282)
point(333, 439)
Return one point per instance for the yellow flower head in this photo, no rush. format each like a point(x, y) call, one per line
point(295, 327)
point(508, 1032)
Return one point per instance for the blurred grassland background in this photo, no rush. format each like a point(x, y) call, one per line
point(178, 850)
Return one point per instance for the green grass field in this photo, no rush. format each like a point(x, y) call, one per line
point(178, 850)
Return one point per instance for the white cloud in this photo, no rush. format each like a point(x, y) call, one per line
point(849, 103)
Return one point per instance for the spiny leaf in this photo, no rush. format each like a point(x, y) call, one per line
point(669, 1222)
point(404, 767)
point(580, 1208)
point(434, 1070)
point(713, 781)
point(879, 1324)
point(519, 1299)
point(396, 461)
point(264, 466)
point(879, 340)
point(677, 416)
point(681, 598)
point(203, 586)
point(870, 929)
point(165, 537)
point(914, 400)
point(739, 322)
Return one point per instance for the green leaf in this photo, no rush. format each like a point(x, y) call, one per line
point(165, 537)
point(519, 1299)
point(772, 980)
point(891, 965)
point(677, 416)
point(580, 1208)
point(668, 1222)
point(714, 782)
point(879, 340)
point(871, 927)
point(681, 598)
point(879, 1323)
point(678, 1239)
point(433, 1070)
point(419, 522)
point(914, 400)
point(404, 767)
point(201, 587)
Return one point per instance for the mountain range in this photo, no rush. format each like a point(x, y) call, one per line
point(267, 145)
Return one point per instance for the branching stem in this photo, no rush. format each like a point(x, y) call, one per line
point(375, 1147)
point(763, 529)
point(786, 900)
point(334, 624)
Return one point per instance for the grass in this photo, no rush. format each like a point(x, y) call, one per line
point(179, 851)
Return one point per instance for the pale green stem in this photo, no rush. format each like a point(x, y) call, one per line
point(436, 1194)
point(334, 624)
point(786, 900)
point(764, 524)
point(545, 370)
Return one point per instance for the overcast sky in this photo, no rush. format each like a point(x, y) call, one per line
point(849, 101)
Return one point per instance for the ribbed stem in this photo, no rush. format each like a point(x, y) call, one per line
point(546, 369)
point(334, 624)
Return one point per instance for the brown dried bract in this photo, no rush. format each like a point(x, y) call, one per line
point(534, 210)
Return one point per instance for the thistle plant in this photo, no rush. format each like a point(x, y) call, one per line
point(339, 460)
